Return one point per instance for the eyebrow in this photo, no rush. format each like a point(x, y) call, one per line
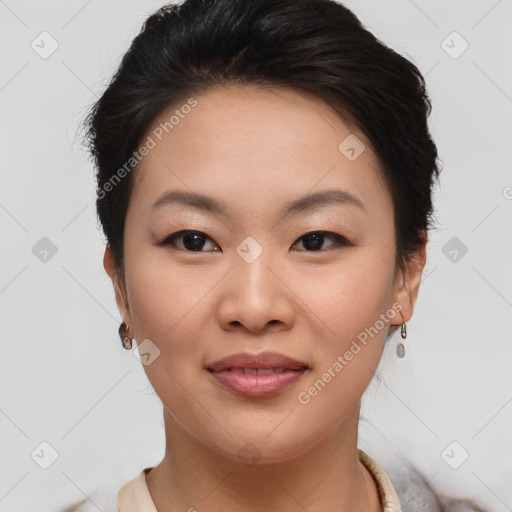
point(294, 207)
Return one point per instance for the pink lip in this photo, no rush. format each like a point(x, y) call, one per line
point(229, 372)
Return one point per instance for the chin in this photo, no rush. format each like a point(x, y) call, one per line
point(263, 446)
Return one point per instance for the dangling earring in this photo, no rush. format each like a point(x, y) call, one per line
point(400, 348)
point(125, 340)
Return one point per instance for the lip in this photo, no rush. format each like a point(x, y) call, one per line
point(229, 372)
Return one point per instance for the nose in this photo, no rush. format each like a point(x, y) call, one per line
point(256, 298)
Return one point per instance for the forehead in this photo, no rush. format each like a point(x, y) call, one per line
point(241, 140)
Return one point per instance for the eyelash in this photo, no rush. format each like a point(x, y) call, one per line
point(339, 241)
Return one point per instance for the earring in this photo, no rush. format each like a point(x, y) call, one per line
point(400, 348)
point(125, 340)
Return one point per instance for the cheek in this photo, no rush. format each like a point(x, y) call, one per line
point(353, 311)
point(163, 297)
point(167, 307)
point(350, 296)
point(172, 306)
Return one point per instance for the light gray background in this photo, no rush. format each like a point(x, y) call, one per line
point(64, 377)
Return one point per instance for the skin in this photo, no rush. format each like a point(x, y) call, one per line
point(257, 148)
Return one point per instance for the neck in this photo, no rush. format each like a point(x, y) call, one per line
point(328, 476)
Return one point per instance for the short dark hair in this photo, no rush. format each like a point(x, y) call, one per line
point(318, 46)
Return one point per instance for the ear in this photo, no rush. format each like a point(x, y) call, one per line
point(408, 280)
point(119, 284)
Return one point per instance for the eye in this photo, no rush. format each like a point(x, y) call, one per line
point(314, 240)
point(193, 241)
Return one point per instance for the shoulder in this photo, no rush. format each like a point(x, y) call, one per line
point(416, 494)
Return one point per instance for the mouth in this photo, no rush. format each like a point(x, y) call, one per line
point(257, 375)
point(262, 371)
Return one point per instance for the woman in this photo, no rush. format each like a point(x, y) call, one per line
point(265, 171)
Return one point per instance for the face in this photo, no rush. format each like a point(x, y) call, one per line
point(292, 252)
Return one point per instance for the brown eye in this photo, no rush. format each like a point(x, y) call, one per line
point(191, 241)
point(314, 240)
